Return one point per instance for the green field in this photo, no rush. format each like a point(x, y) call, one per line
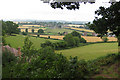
point(87, 52)
point(56, 30)
point(91, 51)
point(18, 41)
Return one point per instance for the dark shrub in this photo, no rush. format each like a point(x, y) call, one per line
point(82, 40)
point(48, 37)
point(47, 43)
point(7, 57)
point(105, 39)
point(24, 33)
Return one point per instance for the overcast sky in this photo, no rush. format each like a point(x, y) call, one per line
point(37, 10)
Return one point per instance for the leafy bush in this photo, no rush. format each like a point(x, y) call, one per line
point(38, 35)
point(8, 61)
point(40, 31)
point(77, 41)
point(33, 30)
point(24, 33)
point(47, 43)
point(7, 57)
point(82, 40)
point(105, 39)
point(70, 40)
point(4, 41)
point(27, 48)
point(45, 63)
point(60, 45)
point(76, 34)
point(48, 37)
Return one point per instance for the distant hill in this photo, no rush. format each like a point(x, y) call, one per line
point(72, 22)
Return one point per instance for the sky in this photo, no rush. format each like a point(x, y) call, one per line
point(37, 10)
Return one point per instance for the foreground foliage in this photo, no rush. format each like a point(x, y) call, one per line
point(45, 63)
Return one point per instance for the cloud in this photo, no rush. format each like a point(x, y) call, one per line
point(37, 10)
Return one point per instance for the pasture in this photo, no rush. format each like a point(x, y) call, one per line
point(18, 41)
point(88, 38)
point(87, 52)
point(30, 27)
point(91, 51)
point(80, 29)
point(55, 31)
point(71, 25)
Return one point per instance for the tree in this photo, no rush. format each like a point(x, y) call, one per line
point(24, 33)
point(105, 39)
point(70, 40)
point(9, 27)
point(69, 5)
point(47, 43)
point(4, 41)
point(19, 30)
point(4, 28)
point(76, 34)
point(26, 30)
point(27, 48)
point(60, 45)
point(32, 30)
point(110, 20)
point(48, 37)
point(40, 31)
point(77, 41)
point(38, 35)
point(82, 40)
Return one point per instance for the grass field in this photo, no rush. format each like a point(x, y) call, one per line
point(56, 30)
point(88, 38)
point(75, 25)
point(18, 41)
point(97, 39)
point(90, 51)
point(80, 29)
point(87, 52)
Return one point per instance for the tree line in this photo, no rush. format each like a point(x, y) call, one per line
point(9, 28)
point(70, 40)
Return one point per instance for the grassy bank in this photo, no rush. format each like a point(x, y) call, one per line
point(91, 51)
